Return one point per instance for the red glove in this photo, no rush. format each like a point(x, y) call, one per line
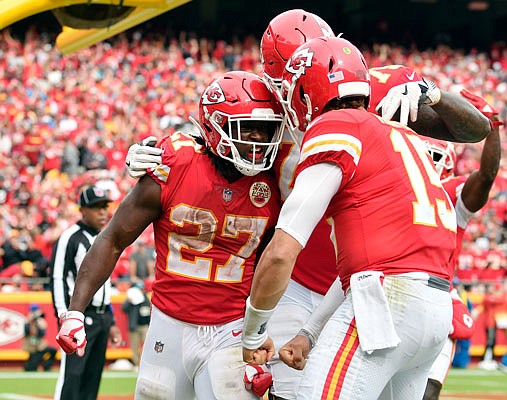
point(72, 336)
point(462, 321)
point(257, 379)
point(482, 105)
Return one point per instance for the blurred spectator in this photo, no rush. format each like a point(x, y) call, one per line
point(494, 300)
point(228, 58)
point(4, 191)
point(19, 250)
point(142, 262)
point(22, 195)
point(70, 158)
point(137, 306)
point(34, 342)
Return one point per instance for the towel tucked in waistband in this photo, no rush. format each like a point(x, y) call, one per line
point(375, 327)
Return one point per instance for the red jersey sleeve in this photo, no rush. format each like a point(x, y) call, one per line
point(326, 141)
point(384, 78)
point(170, 145)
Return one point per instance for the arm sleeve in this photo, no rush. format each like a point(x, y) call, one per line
point(463, 215)
point(313, 190)
point(332, 300)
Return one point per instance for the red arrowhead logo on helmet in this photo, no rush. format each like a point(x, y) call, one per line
point(302, 58)
point(213, 95)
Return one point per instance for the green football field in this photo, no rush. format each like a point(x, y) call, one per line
point(17, 385)
point(29, 385)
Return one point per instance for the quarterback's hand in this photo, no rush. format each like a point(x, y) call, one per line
point(407, 97)
point(257, 379)
point(294, 352)
point(142, 156)
point(72, 336)
point(261, 355)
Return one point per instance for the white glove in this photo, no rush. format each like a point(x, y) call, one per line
point(142, 156)
point(72, 335)
point(407, 97)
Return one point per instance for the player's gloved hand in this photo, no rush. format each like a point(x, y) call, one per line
point(478, 102)
point(482, 105)
point(72, 336)
point(142, 156)
point(257, 379)
point(407, 97)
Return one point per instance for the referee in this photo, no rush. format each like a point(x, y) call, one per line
point(79, 377)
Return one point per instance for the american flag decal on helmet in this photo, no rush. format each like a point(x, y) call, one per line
point(337, 76)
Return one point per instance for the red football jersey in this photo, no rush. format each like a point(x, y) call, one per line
point(391, 212)
point(315, 266)
point(384, 78)
point(453, 187)
point(207, 238)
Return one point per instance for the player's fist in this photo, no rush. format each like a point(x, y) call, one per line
point(72, 336)
point(142, 156)
point(462, 327)
point(407, 97)
point(257, 379)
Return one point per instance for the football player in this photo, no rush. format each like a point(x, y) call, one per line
point(315, 268)
point(373, 178)
point(211, 204)
point(468, 194)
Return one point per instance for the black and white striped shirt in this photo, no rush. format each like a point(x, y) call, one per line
point(68, 253)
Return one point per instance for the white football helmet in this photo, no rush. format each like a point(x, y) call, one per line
point(443, 155)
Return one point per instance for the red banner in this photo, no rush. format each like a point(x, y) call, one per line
point(14, 308)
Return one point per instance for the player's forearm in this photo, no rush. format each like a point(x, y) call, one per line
point(272, 273)
point(452, 118)
point(475, 193)
point(95, 269)
point(490, 157)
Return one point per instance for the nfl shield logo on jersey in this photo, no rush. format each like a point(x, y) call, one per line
point(159, 346)
point(227, 195)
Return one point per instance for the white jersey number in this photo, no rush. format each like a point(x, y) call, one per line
point(424, 207)
point(207, 229)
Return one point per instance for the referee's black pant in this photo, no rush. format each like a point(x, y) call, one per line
point(79, 377)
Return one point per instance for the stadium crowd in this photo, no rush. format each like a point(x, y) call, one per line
point(67, 121)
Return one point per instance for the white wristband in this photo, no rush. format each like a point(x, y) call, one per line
point(254, 326)
point(72, 314)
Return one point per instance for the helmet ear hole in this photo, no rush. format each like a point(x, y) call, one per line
point(208, 128)
point(302, 94)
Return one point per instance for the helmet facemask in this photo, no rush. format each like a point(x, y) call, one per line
point(443, 158)
point(262, 154)
point(287, 93)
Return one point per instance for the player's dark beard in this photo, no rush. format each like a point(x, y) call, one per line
point(225, 168)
